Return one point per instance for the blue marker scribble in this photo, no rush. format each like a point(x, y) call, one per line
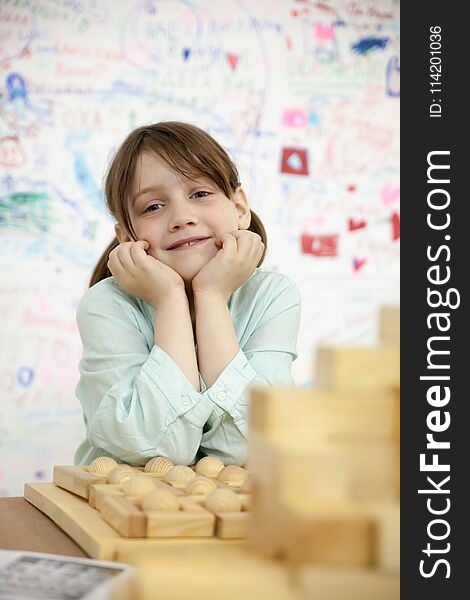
point(19, 109)
point(76, 144)
point(16, 87)
point(393, 77)
point(368, 44)
point(25, 376)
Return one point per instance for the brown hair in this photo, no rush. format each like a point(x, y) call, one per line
point(188, 150)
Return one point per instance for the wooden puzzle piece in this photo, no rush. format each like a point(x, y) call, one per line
point(76, 479)
point(325, 415)
point(389, 325)
point(357, 369)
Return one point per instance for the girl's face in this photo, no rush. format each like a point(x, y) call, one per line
point(168, 210)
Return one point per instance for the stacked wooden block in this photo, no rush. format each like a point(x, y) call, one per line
point(325, 465)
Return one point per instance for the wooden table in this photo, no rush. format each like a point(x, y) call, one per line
point(24, 527)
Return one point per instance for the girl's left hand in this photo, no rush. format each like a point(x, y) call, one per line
point(232, 265)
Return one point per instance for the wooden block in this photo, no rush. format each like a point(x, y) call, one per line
point(266, 539)
point(396, 392)
point(128, 520)
point(232, 525)
point(317, 472)
point(76, 479)
point(97, 491)
point(340, 534)
point(322, 583)
point(389, 325)
point(192, 521)
point(362, 472)
point(386, 519)
point(373, 471)
point(325, 415)
point(235, 575)
point(354, 369)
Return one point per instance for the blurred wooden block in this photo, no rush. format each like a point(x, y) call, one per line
point(373, 471)
point(315, 414)
point(354, 369)
point(387, 536)
point(123, 516)
point(300, 499)
point(368, 471)
point(76, 479)
point(389, 325)
point(339, 534)
point(220, 575)
point(321, 583)
point(317, 472)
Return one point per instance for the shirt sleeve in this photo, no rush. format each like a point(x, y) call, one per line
point(137, 403)
point(265, 359)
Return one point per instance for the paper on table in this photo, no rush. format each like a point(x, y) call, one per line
point(40, 576)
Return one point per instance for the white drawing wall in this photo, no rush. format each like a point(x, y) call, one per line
point(303, 94)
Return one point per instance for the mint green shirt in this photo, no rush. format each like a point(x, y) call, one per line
point(136, 401)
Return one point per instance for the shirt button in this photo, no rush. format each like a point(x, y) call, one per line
point(186, 400)
point(221, 396)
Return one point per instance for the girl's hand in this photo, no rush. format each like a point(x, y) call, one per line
point(142, 275)
point(232, 265)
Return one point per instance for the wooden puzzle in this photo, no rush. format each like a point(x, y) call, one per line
point(163, 499)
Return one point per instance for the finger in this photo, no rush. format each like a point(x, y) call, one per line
point(244, 240)
point(138, 252)
point(260, 252)
point(254, 250)
point(248, 243)
point(242, 233)
point(114, 264)
point(246, 237)
point(229, 244)
point(123, 252)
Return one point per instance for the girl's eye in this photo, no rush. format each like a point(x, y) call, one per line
point(201, 194)
point(153, 208)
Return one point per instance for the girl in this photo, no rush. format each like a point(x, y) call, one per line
point(179, 321)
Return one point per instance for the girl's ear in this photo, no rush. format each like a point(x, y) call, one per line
point(243, 210)
point(121, 234)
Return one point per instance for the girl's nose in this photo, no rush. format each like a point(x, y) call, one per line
point(181, 215)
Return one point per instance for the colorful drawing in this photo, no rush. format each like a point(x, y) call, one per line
point(320, 245)
point(294, 161)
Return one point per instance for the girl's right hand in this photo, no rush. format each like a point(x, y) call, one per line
point(141, 275)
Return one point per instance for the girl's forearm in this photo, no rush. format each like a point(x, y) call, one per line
point(174, 334)
point(217, 342)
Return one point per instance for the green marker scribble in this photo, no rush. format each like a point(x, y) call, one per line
point(25, 211)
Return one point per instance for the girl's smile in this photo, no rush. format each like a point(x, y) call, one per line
point(189, 243)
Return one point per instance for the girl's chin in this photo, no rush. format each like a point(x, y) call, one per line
point(187, 275)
